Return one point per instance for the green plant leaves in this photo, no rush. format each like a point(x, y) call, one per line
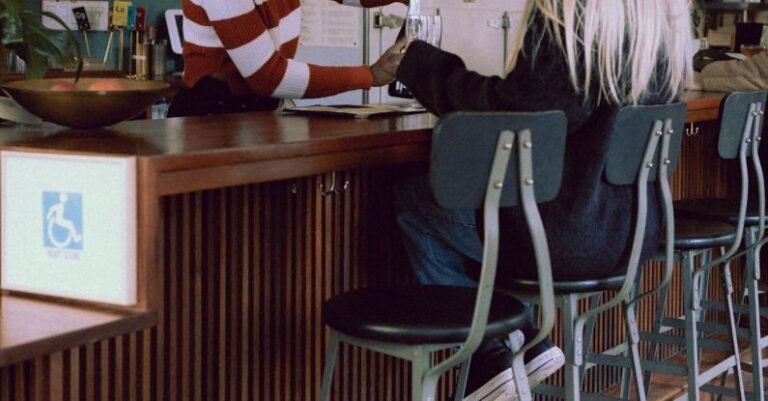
point(10, 18)
point(24, 33)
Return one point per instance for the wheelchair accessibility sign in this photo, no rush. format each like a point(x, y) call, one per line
point(68, 226)
point(63, 220)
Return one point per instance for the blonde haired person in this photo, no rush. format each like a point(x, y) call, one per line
point(586, 58)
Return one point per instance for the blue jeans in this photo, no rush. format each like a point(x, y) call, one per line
point(438, 241)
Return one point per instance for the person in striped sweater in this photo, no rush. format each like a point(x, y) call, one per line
point(239, 56)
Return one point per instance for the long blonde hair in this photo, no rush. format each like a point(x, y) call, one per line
point(628, 39)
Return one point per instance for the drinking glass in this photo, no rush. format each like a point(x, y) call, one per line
point(418, 27)
point(424, 27)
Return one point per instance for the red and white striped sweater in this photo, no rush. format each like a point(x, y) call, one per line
point(252, 44)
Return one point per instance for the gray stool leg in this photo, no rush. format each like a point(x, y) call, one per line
point(661, 306)
point(728, 285)
point(691, 333)
point(750, 236)
point(626, 377)
point(330, 364)
point(633, 332)
point(703, 285)
point(758, 376)
point(594, 301)
point(518, 370)
point(420, 363)
point(752, 291)
point(572, 347)
point(461, 384)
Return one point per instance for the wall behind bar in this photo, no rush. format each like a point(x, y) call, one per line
point(98, 40)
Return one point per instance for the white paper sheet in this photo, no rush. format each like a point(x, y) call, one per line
point(97, 11)
point(325, 23)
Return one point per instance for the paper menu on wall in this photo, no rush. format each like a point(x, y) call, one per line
point(97, 11)
point(325, 23)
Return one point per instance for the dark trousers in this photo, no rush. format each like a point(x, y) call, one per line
point(211, 96)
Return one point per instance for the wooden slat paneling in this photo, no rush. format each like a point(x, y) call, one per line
point(245, 271)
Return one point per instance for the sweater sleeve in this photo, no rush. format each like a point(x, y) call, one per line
point(441, 82)
point(242, 32)
point(539, 81)
point(736, 75)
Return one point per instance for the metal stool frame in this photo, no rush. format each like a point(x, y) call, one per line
point(462, 185)
point(732, 144)
point(655, 163)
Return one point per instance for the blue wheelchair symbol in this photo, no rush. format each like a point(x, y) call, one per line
point(62, 220)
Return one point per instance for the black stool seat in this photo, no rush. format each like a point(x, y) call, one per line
point(697, 233)
point(418, 315)
point(569, 287)
point(725, 210)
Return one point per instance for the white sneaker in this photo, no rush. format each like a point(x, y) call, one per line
point(502, 387)
point(499, 388)
point(544, 365)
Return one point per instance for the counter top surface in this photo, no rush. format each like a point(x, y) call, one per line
point(698, 100)
point(30, 327)
point(264, 133)
point(199, 143)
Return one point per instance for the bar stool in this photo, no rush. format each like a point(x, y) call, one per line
point(696, 238)
point(739, 137)
point(644, 147)
point(487, 160)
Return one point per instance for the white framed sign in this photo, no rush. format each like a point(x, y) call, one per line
point(69, 226)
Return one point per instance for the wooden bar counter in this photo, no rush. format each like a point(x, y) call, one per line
point(239, 242)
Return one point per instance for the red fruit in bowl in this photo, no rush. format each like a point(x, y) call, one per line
point(63, 86)
point(105, 85)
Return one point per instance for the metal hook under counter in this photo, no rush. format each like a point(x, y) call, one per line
point(692, 130)
point(332, 190)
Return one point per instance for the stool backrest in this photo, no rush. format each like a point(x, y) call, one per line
point(644, 147)
point(741, 116)
point(631, 135)
point(491, 160)
point(738, 116)
point(463, 146)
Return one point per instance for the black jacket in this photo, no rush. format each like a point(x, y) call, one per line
point(589, 224)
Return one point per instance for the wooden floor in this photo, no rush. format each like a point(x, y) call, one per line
point(665, 387)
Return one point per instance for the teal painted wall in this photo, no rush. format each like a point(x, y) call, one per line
point(98, 40)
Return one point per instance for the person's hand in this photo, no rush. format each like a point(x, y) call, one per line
point(385, 68)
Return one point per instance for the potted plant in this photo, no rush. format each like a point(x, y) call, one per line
point(24, 34)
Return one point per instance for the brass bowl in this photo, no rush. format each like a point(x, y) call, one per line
point(84, 108)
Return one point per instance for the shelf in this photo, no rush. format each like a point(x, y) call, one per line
point(58, 73)
point(732, 6)
point(31, 328)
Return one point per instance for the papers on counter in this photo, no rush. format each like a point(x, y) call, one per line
point(737, 56)
point(359, 110)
